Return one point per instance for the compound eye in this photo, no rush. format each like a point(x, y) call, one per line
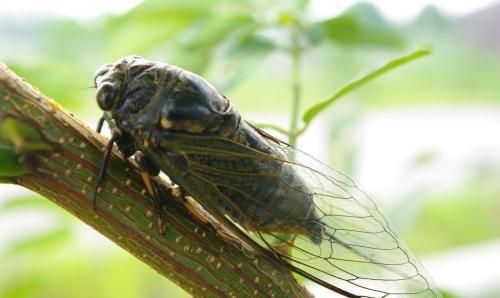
point(106, 96)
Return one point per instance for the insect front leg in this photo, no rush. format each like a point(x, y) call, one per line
point(116, 137)
point(104, 118)
point(148, 170)
point(104, 166)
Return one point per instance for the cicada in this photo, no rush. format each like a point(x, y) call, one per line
point(312, 217)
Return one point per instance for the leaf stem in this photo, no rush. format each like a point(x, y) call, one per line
point(296, 55)
point(313, 111)
point(273, 127)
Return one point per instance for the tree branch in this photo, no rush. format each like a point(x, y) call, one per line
point(49, 151)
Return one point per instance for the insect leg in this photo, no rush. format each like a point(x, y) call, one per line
point(284, 246)
point(104, 166)
point(192, 206)
point(195, 209)
point(100, 124)
point(148, 169)
point(104, 118)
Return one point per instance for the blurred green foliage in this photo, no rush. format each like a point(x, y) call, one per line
point(244, 48)
point(466, 215)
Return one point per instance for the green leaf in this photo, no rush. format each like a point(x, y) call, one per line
point(313, 111)
point(273, 127)
point(155, 26)
point(47, 240)
point(211, 31)
point(242, 55)
point(24, 287)
point(151, 24)
point(201, 41)
point(21, 136)
point(154, 12)
point(26, 202)
point(361, 25)
point(145, 38)
point(16, 139)
point(50, 75)
point(248, 43)
point(447, 294)
point(10, 164)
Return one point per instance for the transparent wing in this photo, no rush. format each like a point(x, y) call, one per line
point(359, 252)
point(336, 232)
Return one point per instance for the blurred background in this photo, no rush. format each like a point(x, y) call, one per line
point(422, 139)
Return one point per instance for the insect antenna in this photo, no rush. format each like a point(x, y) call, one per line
point(85, 88)
point(104, 166)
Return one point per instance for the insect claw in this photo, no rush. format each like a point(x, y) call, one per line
point(158, 206)
point(156, 200)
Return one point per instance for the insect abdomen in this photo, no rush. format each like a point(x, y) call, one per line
point(276, 201)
